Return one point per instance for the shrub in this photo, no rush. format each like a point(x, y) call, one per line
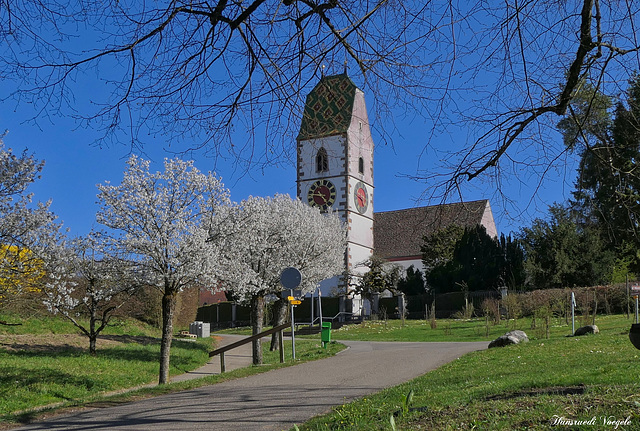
point(491, 308)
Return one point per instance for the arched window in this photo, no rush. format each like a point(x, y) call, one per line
point(322, 161)
point(361, 165)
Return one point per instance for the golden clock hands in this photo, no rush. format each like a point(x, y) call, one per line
point(320, 195)
point(361, 197)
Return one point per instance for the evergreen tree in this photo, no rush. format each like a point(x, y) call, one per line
point(513, 274)
point(437, 248)
point(607, 195)
point(563, 253)
point(479, 257)
point(412, 283)
point(381, 276)
point(479, 262)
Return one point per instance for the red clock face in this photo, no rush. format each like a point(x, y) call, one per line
point(361, 197)
point(322, 194)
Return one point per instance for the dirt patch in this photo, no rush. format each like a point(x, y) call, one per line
point(126, 339)
point(65, 342)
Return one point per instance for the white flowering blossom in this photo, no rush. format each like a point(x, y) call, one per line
point(18, 219)
point(263, 236)
point(91, 279)
point(266, 235)
point(28, 230)
point(162, 220)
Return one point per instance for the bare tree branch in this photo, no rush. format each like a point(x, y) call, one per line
point(194, 74)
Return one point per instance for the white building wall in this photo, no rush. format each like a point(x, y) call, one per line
point(360, 231)
point(360, 141)
point(488, 222)
point(309, 149)
point(357, 256)
point(405, 264)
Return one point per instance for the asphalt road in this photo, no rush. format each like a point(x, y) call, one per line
point(275, 400)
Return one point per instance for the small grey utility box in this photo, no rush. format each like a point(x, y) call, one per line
point(201, 329)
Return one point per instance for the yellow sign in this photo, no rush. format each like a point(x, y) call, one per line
point(291, 298)
point(295, 302)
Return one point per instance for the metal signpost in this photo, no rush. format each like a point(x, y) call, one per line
point(573, 313)
point(635, 291)
point(290, 279)
point(320, 306)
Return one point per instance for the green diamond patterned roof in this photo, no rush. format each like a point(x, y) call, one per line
point(328, 108)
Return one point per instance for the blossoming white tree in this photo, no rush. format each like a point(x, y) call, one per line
point(27, 231)
point(266, 235)
point(90, 277)
point(164, 223)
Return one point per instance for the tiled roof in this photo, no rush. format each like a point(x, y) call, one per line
point(328, 108)
point(398, 234)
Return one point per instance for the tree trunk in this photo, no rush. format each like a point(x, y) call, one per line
point(92, 329)
point(257, 317)
point(595, 306)
point(92, 344)
point(279, 318)
point(168, 309)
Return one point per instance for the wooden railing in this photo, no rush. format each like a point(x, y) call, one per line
point(250, 339)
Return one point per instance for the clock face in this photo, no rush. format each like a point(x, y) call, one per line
point(361, 197)
point(322, 194)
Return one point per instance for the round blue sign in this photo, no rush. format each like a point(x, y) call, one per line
point(290, 278)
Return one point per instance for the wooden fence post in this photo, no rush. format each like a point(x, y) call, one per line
point(281, 341)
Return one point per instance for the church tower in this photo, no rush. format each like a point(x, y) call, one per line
point(335, 163)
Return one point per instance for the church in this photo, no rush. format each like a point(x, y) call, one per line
point(335, 172)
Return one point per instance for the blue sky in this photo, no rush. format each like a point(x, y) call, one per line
point(74, 165)
point(475, 90)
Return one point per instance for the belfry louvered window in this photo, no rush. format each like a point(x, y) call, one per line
point(322, 160)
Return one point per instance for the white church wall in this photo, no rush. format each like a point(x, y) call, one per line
point(488, 222)
point(360, 140)
point(357, 256)
point(405, 264)
point(309, 150)
point(361, 230)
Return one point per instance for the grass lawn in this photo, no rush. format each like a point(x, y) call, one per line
point(446, 330)
point(593, 379)
point(46, 361)
point(420, 330)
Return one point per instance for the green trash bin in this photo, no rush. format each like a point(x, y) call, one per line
point(325, 335)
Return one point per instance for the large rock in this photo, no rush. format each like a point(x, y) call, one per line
point(589, 329)
point(513, 337)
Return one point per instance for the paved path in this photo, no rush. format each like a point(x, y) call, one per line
point(274, 400)
point(239, 357)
